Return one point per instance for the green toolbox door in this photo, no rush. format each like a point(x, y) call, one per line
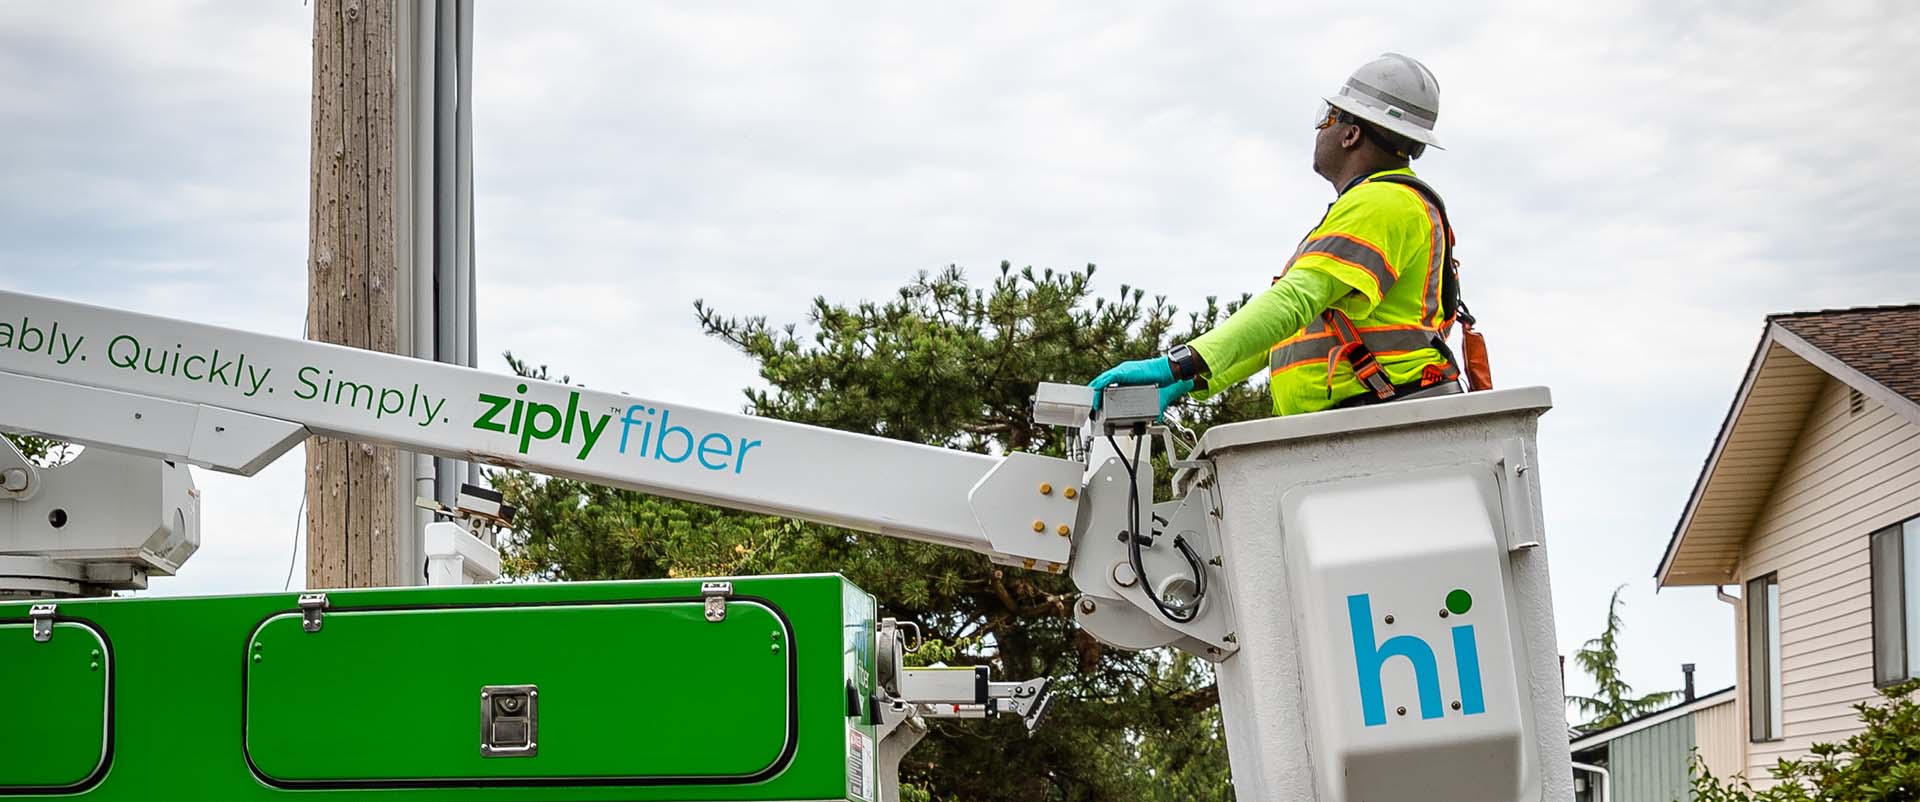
point(565, 694)
point(59, 709)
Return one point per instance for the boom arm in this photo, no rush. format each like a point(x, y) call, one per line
point(234, 400)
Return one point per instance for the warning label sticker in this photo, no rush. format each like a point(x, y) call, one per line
point(860, 759)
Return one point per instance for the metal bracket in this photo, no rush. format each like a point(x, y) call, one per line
point(715, 594)
point(1179, 464)
point(918, 641)
point(1029, 700)
point(42, 615)
point(311, 607)
point(1114, 608)
point(898, 727)
point(1517, 498)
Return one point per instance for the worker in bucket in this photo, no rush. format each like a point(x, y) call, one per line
point(1361, 312)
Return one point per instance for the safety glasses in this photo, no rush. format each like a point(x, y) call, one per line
point(1327, 116)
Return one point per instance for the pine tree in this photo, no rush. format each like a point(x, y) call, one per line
point(1612, 701)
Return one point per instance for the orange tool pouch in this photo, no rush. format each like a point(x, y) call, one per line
point(1473, 350)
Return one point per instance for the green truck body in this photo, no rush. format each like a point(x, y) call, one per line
point(552, 692)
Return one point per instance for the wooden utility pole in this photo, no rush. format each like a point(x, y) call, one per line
point(351, 277)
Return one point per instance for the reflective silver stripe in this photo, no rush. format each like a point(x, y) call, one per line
point(1409, 110)
point(1379, 342)
point(1436, 262)
point(1436, 258)
point(1352, 252)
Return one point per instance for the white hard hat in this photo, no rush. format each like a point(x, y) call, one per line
point(1396, 93)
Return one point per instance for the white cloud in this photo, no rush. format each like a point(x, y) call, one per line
point(1635, 185)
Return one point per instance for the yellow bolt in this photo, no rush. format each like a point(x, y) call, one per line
point(1046, 489)
point(1039, 526)
point(1029, 564)
point(1064, 530)
point(1053, 568)
point(1071, 493)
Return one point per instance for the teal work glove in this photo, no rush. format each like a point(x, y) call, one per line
point(1172, 393)
point(1156, 371)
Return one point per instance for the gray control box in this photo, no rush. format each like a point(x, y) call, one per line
point(1124, 406)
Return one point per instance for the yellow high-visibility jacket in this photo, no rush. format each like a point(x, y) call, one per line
point(1377, 257)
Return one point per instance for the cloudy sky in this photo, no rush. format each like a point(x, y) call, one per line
point(1635, 185)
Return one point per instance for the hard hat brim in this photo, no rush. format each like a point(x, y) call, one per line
point(1385, 121)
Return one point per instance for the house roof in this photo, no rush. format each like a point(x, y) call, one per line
point(1633, 725)
point(1875, 350)
point(1882, 342)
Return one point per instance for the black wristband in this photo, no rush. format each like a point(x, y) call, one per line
point(1186, 362)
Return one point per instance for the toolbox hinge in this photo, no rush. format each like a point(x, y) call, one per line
point(311, 607)
point(715, 594)
point(42, 615)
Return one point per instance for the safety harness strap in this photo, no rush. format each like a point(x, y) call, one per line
point(1366, 367)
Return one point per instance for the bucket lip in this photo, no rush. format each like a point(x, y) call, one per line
point(1267, 431)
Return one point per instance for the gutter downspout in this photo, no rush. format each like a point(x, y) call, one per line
point(1740, 711)
point(1606, 781)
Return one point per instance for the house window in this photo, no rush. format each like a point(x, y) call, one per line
point(1895, 554)
point(1763, 658)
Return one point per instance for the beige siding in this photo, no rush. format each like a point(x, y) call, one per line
point(1849, 474)
point(1718, 736)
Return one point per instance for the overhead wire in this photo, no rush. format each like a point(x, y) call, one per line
point(299, 516)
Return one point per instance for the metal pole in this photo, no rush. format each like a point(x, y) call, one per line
point(421, 111)
point(467, 327)
point(462, 185)
point(413, 255)
point(446, 232)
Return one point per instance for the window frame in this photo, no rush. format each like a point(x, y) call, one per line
point(1763, 628)
point(1886, 548)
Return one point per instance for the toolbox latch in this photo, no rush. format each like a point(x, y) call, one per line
point(42, 615)
point(311, 606)
point(510, 721)
point(715, 594)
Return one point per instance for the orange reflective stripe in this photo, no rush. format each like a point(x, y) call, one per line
point(1297, 338)
point(1275, 371)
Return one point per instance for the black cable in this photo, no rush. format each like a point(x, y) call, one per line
point(1135, 540)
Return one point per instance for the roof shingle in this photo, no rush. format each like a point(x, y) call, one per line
point(1881, 342)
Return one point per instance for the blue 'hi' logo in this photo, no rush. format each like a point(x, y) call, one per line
point(1370, 657)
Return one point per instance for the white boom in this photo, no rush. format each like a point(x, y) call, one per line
point(233, 401)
